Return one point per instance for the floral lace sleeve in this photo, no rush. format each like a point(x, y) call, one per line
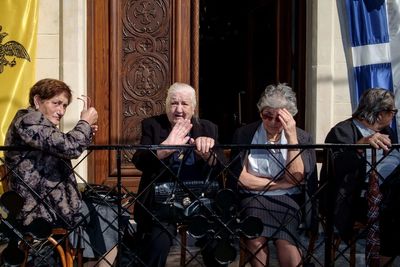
point(38, 132)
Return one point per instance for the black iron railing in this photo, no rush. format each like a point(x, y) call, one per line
point(110, 207)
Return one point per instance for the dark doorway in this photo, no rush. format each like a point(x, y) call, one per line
point(244, 46)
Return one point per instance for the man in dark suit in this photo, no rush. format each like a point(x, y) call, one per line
point(369, 124)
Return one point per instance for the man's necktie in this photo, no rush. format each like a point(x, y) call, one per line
point(374, 199)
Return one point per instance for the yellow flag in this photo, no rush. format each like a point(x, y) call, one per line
point(18, 41)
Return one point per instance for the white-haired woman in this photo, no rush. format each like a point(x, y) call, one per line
point(178, 126)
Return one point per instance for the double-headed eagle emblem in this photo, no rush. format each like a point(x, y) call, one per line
point(11, 49)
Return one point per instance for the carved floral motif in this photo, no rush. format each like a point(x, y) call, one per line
point(145, 16)
point(146, 57)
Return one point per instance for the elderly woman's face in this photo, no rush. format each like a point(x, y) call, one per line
point(271, 121)
point(180, 107)
point(54, 108)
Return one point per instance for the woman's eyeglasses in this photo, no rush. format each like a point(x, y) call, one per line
point(270, 117)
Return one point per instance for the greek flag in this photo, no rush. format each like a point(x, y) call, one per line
point(371, 38)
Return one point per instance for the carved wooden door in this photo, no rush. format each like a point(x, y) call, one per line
point(136, 49)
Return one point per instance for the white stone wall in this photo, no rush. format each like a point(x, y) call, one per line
point(329, 97)
point(61, 53)
point(48, 49)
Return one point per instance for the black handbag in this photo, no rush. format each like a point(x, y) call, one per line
point(101, 194)
point(184, 192)
point(179, 202)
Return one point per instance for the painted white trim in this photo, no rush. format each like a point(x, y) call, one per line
point(73, 66)
point(393, 15)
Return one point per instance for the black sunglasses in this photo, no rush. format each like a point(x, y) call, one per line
point(270, 117)
point(394, 111)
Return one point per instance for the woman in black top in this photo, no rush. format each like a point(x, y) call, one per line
point(178, 126)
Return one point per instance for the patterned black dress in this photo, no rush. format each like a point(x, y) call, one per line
point(43, 173)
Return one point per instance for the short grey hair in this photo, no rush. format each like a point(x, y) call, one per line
point(278, 96)
point(372, 102)
point(179, 87)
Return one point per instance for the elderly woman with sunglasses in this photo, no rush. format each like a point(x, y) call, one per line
point(268, 179)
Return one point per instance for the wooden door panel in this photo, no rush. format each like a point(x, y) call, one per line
point(136, 49)
point(141, 73)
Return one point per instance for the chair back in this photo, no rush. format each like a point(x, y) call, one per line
point(3, 179)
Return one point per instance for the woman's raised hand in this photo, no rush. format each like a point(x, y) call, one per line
point(89, 113)
point(288, 124)
point(179, 134)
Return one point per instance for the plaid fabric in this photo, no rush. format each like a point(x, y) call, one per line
point(373, 240)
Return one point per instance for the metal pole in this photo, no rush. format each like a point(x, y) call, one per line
point(119, 185)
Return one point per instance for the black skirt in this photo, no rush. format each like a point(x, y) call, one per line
point(279, 214)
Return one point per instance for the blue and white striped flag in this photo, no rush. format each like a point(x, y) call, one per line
point(371, 38)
